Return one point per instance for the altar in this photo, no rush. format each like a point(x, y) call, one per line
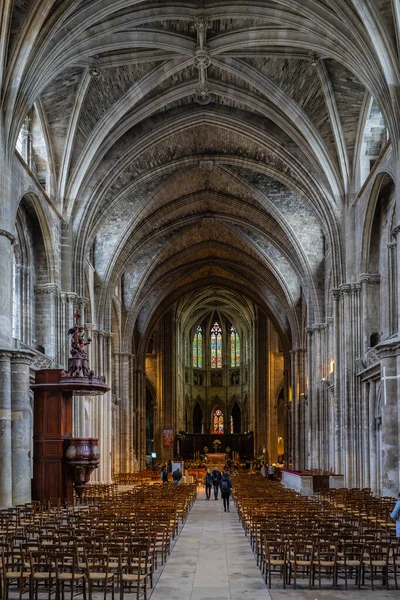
point(307, 484)
point(188, 445)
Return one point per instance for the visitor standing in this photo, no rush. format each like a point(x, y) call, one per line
point(177, 476)
point(216, 480)
point(164, 474)
point(263, 470)
point(226, 485)
point(271, 472)
point(395, 514)
point(208, 482)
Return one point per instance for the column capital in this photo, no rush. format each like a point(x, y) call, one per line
point(22, 356)
point(388, 348)
point(372, 278)
point(68, 297)
point(335, 293)
point(46, 288)
point(8, 235)
point(82, 301)
point(396, 230)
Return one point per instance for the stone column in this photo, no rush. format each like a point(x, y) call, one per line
point(126, 433)
point(21, 427)
point(389, 354)
point(67, 306)
point(303, 395)
point(5, 430)
point(337, 432)
point(372, 435)
point(350, 350)
point(366, 460)
point(6, 276)
point(308, 420)
point(46, 317)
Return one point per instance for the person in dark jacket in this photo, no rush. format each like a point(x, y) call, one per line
point(226, 485)
point(216, 480)
point(177, 476)
point(208, 482)
point(164, 474)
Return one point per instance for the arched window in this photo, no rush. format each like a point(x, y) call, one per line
point(218, 421)
point(235, 348)
point(198, 349)
point(216, 346)
point(231, 424)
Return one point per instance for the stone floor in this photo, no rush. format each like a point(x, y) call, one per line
point(212, 560)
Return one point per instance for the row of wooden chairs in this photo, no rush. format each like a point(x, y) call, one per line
point(76, 541)
point(52, 571)
point(293, 535)
point(330, 562)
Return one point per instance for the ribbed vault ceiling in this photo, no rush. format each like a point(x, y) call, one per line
point(196, 141)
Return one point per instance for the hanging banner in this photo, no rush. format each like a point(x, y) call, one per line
point(168, 438)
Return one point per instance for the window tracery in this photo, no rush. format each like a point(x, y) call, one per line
point(216, 346)
point(218, 421)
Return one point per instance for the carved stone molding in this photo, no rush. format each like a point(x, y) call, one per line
point(335, 293)
point(388, 349)
point(396, 230)
point(8, 235)
point(46, 288)
point(372, 278)
point(22, 356)
point(68, 297)
point(82, 301)
point(350, 288)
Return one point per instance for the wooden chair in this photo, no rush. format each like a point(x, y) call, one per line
point(275, 552)
point(325, 562)
point(14, 569)
point(301, 557)
point(98, 572)
point(68, 571)
point(42, 567)
point(376, 563)
point(134, 570)
point(350, 561)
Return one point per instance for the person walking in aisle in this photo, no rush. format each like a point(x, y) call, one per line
point(395, 514)
point(164, 474)
point(208, 481)
point(226, 485)
point(177, 476)
point(216, 480)
point(271, 472)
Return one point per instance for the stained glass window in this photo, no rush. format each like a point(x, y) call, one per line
point(218, 421)
point(216, 346)
point(186, 353)
point(235, 348)
point(198, 348)
point(231, 423)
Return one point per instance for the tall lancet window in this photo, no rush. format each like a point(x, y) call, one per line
point(198, 349)
point(218, 421)
point(216, 346)
point(235, 348)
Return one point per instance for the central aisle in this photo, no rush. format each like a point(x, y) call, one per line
point(212, 559)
